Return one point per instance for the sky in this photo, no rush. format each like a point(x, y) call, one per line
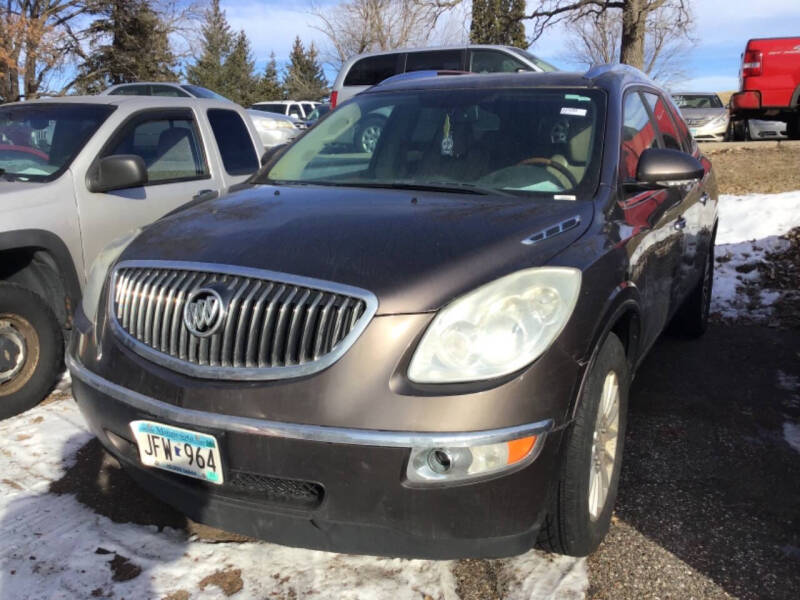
point(722, 30)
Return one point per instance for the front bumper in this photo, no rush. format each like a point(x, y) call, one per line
point(346, 487)
point(708, 133)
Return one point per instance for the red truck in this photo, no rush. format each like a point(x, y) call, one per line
point(769, 85)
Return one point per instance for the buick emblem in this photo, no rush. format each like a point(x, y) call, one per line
point(204, 312)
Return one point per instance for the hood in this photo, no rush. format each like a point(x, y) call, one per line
point(22, 194)
point(414, 251)
point(703, 113)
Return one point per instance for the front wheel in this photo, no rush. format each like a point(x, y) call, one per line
point(31, 349)
point(580, 509)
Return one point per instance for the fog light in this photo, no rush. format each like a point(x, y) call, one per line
point(442, 465)
point(440, 461)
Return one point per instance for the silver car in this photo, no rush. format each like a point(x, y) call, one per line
point(765, 130)
point(273, 129)
point(366, 70)
point(705, 115)
point(77, 173)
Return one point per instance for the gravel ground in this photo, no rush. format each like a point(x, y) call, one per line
point(755, 167)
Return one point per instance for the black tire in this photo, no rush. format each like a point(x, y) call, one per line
point(691, 320)
point(31, 349)
point(568, 527)
point(366, 137)
point(793, 128)
point(737, 131)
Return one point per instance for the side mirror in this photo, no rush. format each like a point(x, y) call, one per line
point(117, 172)
point(271, 152)
point(668, 167)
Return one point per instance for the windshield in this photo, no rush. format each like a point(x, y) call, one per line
point(487, 141)
point(201, 92)
point(542, 64)
point(697, 100)
point(39, 141)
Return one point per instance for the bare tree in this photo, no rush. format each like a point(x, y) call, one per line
point(35, 38)
point(634, 16)
point(596, 38)
point(356, 26)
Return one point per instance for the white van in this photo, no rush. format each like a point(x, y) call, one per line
point(365, 70)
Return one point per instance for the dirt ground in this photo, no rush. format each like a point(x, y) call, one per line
point(754, 167)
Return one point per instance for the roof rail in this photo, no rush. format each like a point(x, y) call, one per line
point(596, 71)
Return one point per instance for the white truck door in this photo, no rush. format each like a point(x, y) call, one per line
point(176, 155)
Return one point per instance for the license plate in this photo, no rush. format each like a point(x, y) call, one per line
point(181, 451)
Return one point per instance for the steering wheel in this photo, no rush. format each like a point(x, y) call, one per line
point(549, 162)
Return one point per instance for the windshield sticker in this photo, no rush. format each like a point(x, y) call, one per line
point(573, 112)
point(577, 97)
point(447, 139)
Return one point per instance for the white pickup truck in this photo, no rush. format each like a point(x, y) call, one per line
point(75, 174)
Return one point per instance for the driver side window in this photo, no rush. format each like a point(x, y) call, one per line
point(638, 134)
point(169, 146)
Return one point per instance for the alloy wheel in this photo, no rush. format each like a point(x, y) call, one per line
point(369, 138)
point(604, 445)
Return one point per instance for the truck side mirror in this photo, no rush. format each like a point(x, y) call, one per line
point(116, 172)
point(664, 166)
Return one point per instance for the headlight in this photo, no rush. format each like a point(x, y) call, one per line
point(497, 328)
point(719, 120)
point(99, 270)
point(272, 124)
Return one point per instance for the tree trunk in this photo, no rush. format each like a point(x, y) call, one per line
point(633, 30)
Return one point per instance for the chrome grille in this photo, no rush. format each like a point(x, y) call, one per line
point(275, 325)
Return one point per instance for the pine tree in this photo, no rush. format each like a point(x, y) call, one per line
point(217, 44)
point(498, 22)
point(239, 82)
point(128, 42)
point(305, 79)
point(269, 86)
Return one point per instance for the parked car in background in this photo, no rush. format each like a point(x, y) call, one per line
point(273, 130)
point(365, 70)
point(425, 350)
point(162, 88)
point(297, 110)
point(316, 114)
point(765, 130)
point(706, 116)
point(78, 172)
point(769, 85)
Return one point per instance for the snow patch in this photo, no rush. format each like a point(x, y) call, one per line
point(749, 228)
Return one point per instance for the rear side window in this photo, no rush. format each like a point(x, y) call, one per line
point(166, 90)
point(492, 61)
point(168, 145)
point(272, 107)
point(372, 70)
point(683, 130)
point(130, 90)
point(638, 134)
point(233, 140)
point(664, 121)
point(446, 60)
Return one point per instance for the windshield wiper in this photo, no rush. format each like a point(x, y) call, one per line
point(433, 186)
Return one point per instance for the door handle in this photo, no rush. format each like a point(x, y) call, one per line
point(680, 223)
point(205, 195)
point(704, 198)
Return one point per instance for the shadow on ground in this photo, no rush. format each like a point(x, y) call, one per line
point(708, 475)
